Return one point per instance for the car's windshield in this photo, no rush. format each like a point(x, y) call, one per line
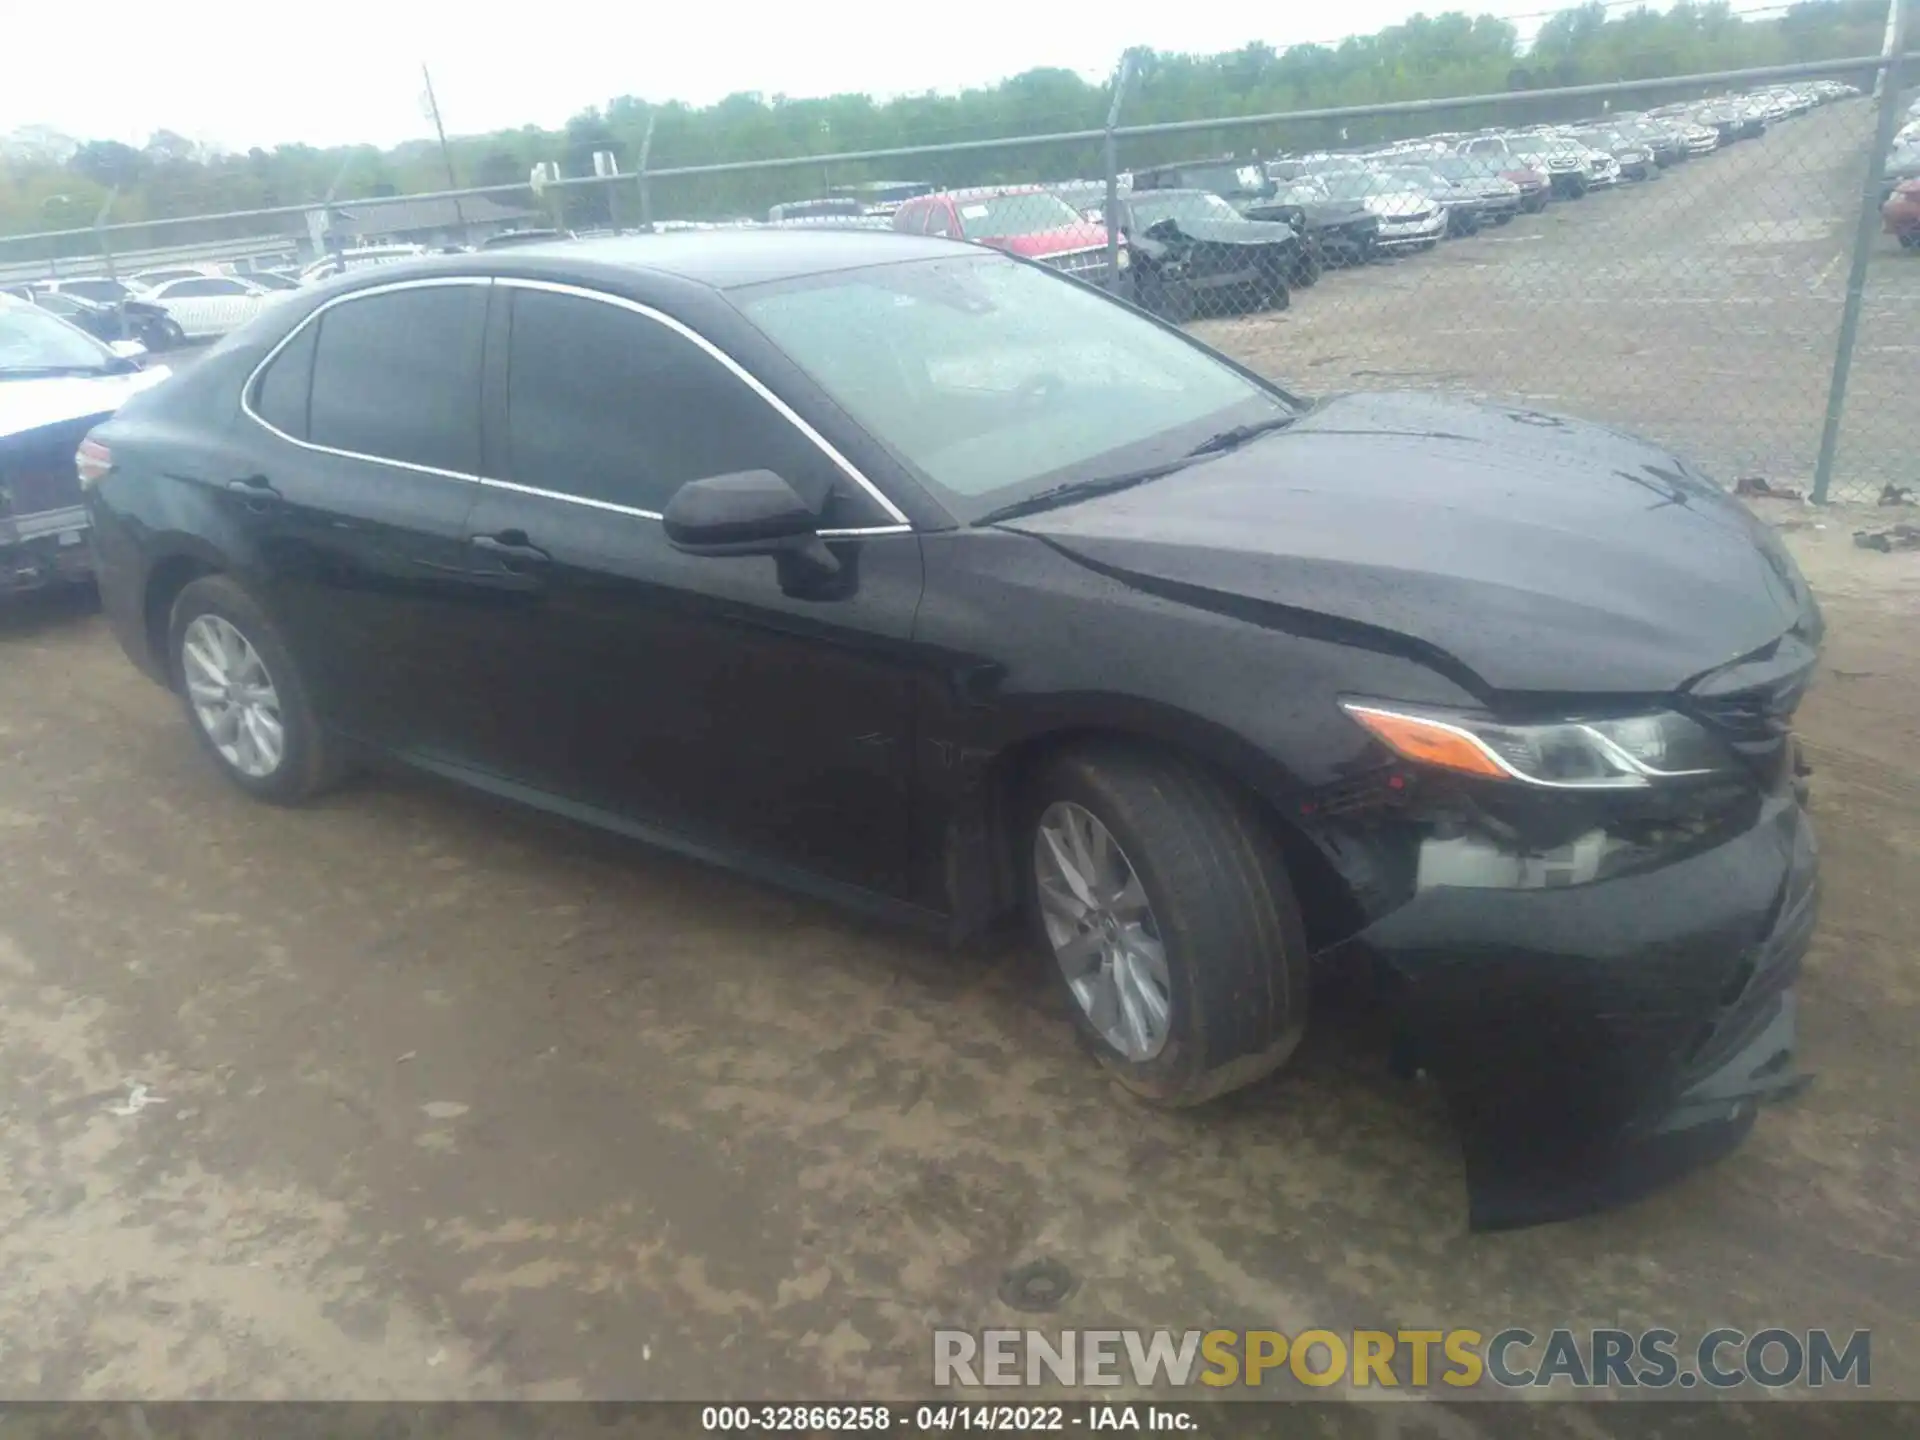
point(1307, 190)
point(993, 217)
point(1415, 177)
point(993, 380)
point(1356, 184)
point(1454, 167)
point(105, 291)
point(1150, 209)
point(1225, 179)
point(33, 341)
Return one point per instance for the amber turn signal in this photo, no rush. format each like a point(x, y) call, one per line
point(1430, 742)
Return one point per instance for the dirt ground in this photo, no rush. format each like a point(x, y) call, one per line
point(407, 1095)
point(410, 1095)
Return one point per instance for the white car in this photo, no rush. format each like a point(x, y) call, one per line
point(360, 258)
point(151, 279)
point(206, 306)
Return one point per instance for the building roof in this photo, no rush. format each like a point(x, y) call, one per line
point(365, 219)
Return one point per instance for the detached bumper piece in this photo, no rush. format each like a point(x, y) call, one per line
point(1597, 1041)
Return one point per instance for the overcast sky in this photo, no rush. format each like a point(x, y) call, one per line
point(237, 75)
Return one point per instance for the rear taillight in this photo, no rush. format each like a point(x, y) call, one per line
point(93, 460)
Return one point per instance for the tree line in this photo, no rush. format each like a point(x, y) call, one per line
point(1453, 54)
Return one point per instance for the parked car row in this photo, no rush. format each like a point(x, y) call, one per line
point(1212, 235)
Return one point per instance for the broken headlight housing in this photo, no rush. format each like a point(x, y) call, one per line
point(1628, 753)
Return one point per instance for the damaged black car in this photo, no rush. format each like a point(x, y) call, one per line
point(926, 579)
point(1193, 254)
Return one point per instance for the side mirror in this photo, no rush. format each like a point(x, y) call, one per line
point(752, 512)
point(127, 349)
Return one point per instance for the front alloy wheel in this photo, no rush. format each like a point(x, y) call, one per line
point(1104, 937)
point(1162, 895)
point(233, 696)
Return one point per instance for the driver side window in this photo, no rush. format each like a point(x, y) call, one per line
point(610, 405)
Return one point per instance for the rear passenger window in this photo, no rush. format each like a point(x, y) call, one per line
point(396, 376)
point(280, 396)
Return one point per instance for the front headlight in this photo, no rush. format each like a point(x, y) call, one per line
point(1615, 754)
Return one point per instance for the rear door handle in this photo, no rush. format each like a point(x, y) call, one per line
point(512, 549)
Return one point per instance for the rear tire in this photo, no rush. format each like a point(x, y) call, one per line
point(1219, 913)
point(245, 696)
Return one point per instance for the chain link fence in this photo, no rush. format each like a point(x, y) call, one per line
point(1724, 263)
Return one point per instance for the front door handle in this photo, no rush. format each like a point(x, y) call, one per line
point(256, 492)
point(512, 549)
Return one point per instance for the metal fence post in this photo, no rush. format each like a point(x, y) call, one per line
point(640, 177)
point(1865, 228)
point(1108, 215)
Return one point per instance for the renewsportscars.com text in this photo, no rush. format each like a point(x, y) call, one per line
point(1512, 1358)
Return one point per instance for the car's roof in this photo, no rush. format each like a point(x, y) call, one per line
point(721, 259)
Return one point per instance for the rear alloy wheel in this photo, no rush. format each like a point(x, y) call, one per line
point(244, 695)
point(1165, 905)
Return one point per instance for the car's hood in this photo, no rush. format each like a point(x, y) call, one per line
point(1051, 242)
point(1319, 212)
point(1396, 204)
point(1534, 552)
point(30, 404)
point(1227, 232)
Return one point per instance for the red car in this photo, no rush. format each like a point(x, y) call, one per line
point(1020, 219)
point(1902, 213)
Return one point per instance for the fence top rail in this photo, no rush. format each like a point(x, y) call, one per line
point(1805, 70)
point(1808, 70)
point(269, 212)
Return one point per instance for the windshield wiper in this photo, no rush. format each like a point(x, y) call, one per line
point(1076, 490)
point(1239, 435)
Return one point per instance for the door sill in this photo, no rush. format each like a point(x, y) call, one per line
point(756, 866)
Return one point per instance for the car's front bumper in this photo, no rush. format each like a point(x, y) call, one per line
point(1400, 234)
point(1596, 1040)
point(43, 548)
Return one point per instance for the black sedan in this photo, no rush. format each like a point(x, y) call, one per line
point(927, 579)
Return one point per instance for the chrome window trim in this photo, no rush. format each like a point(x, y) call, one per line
point(253, 376)
point(899, 525)
point(740, 372)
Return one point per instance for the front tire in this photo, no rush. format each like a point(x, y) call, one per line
point(245, 696)
point(1174, 933)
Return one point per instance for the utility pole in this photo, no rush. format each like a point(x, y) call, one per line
point(446, 155)
point(1887, 46)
